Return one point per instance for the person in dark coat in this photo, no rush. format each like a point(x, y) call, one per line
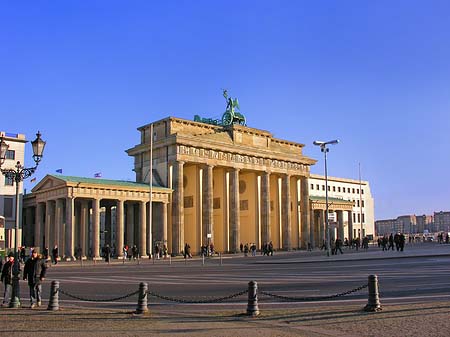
point(55, 254)
point(34, 272)
point(7, 278)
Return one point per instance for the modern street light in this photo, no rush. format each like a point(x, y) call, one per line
point(324, 149)
point(18, 175)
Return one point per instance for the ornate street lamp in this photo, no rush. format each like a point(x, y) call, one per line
point(18, 175)
point(324, 149)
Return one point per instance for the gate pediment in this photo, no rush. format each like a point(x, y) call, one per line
point(49, 182)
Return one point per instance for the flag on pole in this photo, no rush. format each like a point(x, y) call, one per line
point(59, 171)
point(33, 180)
point(98, 175)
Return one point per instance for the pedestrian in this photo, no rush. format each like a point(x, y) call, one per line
point(22, 254)
point(270, 251)
point(165, 251)
point(55, 254)
point(7, 277)
point(241, 247)
point(46, 253)
point(107, 253)
point(34, 272)
point(157, 251)
point(125, 252)
point(134, 251)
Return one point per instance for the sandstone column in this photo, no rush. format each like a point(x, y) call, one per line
point(322, 227)
point(235, 225)
point(84, 227)
point(96, 229)
point(307, 231)
point(286, 211)
point(340, 219)
point(38, 227)
point(143, 229)
point(120, 229)
point(207, 203)
point(265, 207)
point(164, 224)
point(69, 230)
point(130, 224)
point(350, 225)
point(177, 208)
point(49, 223)
point(59, 225)
point(108, 227)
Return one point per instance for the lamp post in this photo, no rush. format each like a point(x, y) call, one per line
point(324, 149)
point(18, 175)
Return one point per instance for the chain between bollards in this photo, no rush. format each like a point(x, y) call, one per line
point(374, 299)
point(252, 305)
point(142, 300)
point(53, 303)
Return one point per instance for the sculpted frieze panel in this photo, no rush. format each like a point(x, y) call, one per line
point(233, 158)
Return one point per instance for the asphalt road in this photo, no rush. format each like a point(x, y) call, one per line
point(418, 275)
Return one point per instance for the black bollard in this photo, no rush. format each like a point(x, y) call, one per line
point(53, 303)
point(252, 305)
point(374, 299)
point(142, 300)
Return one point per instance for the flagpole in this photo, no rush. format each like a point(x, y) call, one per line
point(150, 222)
point(360, 203)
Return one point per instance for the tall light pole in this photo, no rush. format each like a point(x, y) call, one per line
point(18, 175)
point(324, 149)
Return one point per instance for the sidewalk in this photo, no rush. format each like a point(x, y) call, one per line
point(350, 321)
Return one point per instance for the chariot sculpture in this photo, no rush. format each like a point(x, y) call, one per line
point(229, 117)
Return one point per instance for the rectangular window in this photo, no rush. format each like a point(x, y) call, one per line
point(354, 217)
point(353, 190)
point(363, 218)
point(188, 201)
point(357, 191)
point(317, 187)
point(359, 218)
point(323, 187)
point(334, 188)
point(343, 189)
point(8, 207)
point(362, 203)
point(312, 186)
point(9, 181)
point(362, 191)
point(339, 188)
point(10, 154)
point(357, 203)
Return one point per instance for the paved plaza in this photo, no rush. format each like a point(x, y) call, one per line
point(414, 293)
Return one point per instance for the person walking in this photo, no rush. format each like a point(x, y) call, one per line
point(34, 272)
point(6, 278)
point(55, 254)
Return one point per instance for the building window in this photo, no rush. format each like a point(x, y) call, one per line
point(359, 218)
point(363, 218)
point(323, 187)
point(188, 201)
point(362, 203)
point(8, 207)
point(216, 203)
point(357, 191)
point(362, 191)
point(10, 154)
point(339, 188)
point(9, 181)
point(334, 188)
point(353, 190)
point(329, 189)
point(354, 217)
point(343, 189)
point(312, 186)
point(243, 204)
point(317, 187)
point(357, 203)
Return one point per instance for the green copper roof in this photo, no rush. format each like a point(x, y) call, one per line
point(98, 181)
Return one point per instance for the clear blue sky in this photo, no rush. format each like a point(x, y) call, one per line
point(374, 74)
